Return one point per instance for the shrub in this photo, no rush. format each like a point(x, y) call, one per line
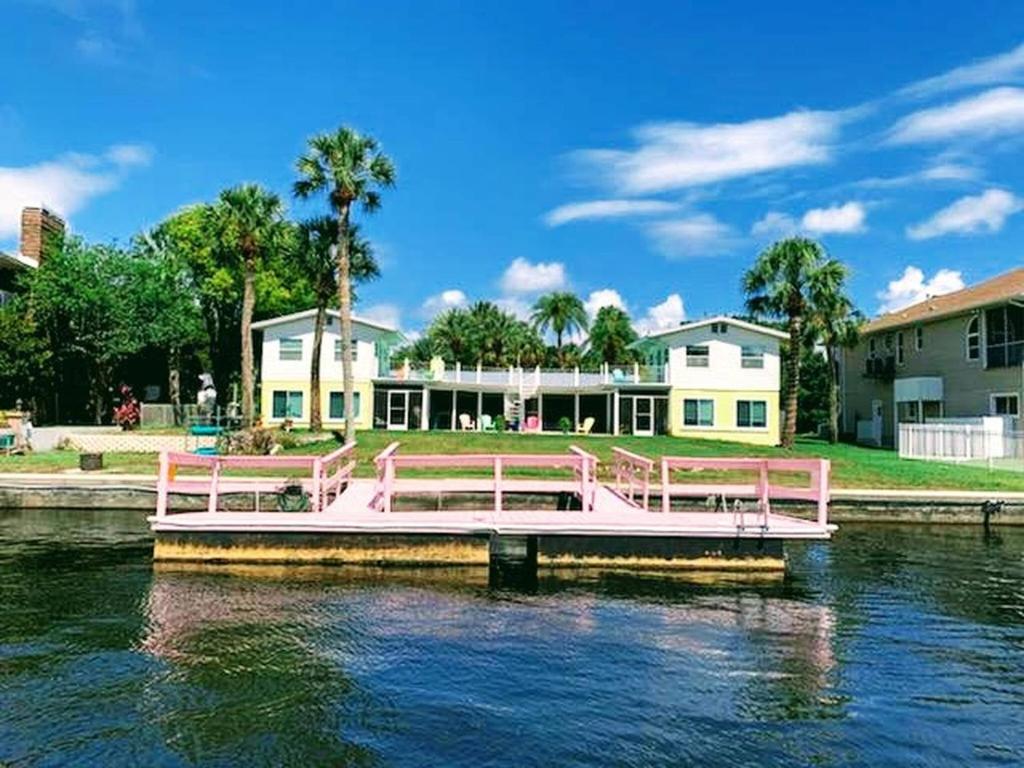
point(499, 423)
point(565, 424)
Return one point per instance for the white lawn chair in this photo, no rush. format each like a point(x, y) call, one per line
point(466, 423)
point(586, 426)
point(486, 422)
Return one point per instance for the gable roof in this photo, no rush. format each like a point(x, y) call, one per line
point(310, 313)
point(995, 290)
point(752, 327)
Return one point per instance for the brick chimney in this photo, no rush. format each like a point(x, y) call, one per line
point(39, 227)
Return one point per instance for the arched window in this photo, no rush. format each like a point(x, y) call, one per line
point(973, 339)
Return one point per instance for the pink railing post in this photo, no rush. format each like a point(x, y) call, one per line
point(214, 483)
point(824, 472)
point(163, 483)
point(666, 497)
point(318, 479)
point(497, 484)
point(389, 477)
point(763, 491)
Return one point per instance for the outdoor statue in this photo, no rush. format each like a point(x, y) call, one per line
point(206, 399)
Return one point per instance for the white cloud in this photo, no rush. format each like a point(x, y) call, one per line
point(442, 301)
point(973, 214)
point(840, 219)
point(994, 112)
point(845, 219)
point(660, 317)
point(130, 155)
point(522, 277)
point(674, 155)
point(939, 171)
point(698, 235)
point(384, 314)
point(912, 288)
point(515, 306)
point(605, 297)
point(1002, 68)
point(65, 185)
point(605, 209)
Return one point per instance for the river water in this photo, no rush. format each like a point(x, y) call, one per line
point(888, 646)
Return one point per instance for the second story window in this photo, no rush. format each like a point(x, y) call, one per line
point(973, 339)
point(752, 357)
point(871, 347)
point(719, 328)
point(697, 356)
point(899, 348)
point(919, 338)
point(337, 351)
point(290, 349)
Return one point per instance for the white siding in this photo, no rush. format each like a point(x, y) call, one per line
point(725, 371)
point(276, 369)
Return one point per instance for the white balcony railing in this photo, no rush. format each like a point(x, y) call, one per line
point(630, 373)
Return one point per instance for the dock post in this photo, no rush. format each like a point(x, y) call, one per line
point(497, 483)
point(162, 484)
point(214, 485)
point(666, 498)
point(512, 561)
point(318, 471)
point(824, 481)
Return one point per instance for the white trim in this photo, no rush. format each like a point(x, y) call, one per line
point(752, 327)
point(308, 313)
point(967, 336)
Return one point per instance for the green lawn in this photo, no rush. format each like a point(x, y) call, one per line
point(852, 466)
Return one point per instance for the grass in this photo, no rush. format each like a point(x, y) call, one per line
point(852, 466)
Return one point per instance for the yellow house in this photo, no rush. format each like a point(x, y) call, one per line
point(714, 378)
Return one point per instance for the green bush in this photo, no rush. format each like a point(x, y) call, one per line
point(499, 423)
point(565, 424)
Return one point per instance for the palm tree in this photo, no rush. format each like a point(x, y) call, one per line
point(350, 169)
point(561, 312)
point(779, 285)
point(836, 324)
point(611, 335)
point(249, 220)
point(316, 245)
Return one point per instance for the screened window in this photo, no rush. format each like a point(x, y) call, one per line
point(337, 351)
point(751, 413)
point(336, 405)
point(899, 348)
point(973, 339)
point(919, 338)
point(699, 413)
point(752, 357)
point(719, 327)
point(287, 404)
point(1004, 336)
point(1005, 405)
point(290, 349)
point(697, 356)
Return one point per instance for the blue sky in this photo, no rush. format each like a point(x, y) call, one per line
point(637, 153)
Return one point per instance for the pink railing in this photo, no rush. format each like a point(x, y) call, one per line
point(762, 489)
point(327, 474)
point(582, 464)
point(633, 476)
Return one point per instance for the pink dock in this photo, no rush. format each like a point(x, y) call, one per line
point(558, 509)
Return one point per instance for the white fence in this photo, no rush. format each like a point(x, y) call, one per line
point(976, 440)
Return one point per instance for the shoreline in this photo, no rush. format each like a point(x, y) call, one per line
point(22, 491)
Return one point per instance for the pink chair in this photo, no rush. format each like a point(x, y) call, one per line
point(532, 424)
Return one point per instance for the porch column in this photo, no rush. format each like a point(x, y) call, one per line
point(540, 411)
point(425, 415)
point(479, 408)
point(455, 394)
point(608, 412)
point(615, 412)
point(575, 410)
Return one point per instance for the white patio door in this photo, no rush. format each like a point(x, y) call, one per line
point(643, 415)
point(398, 409)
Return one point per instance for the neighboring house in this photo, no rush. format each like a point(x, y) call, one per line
point(956, 355)
point(716, 378)
point(37, 226)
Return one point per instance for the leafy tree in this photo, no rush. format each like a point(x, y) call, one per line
point(25, 355)
point(779, 284)
point(84, 301)
point(350, 169)
point(315, 254)
point(611, 335)
point(561, 312)
point(249, 220)
point(836, 324)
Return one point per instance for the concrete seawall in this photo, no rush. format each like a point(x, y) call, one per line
point(109, 491)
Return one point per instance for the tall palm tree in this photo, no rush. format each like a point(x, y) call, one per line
point(779, 285)
point(250, 223)
point(317, 238)
point(560, 312)
point(835, 322)
point(350, 169)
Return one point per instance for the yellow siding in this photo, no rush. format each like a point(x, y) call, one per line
point(725, 415)
point(364, 388)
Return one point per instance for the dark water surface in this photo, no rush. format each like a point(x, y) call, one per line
point(889, 646)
